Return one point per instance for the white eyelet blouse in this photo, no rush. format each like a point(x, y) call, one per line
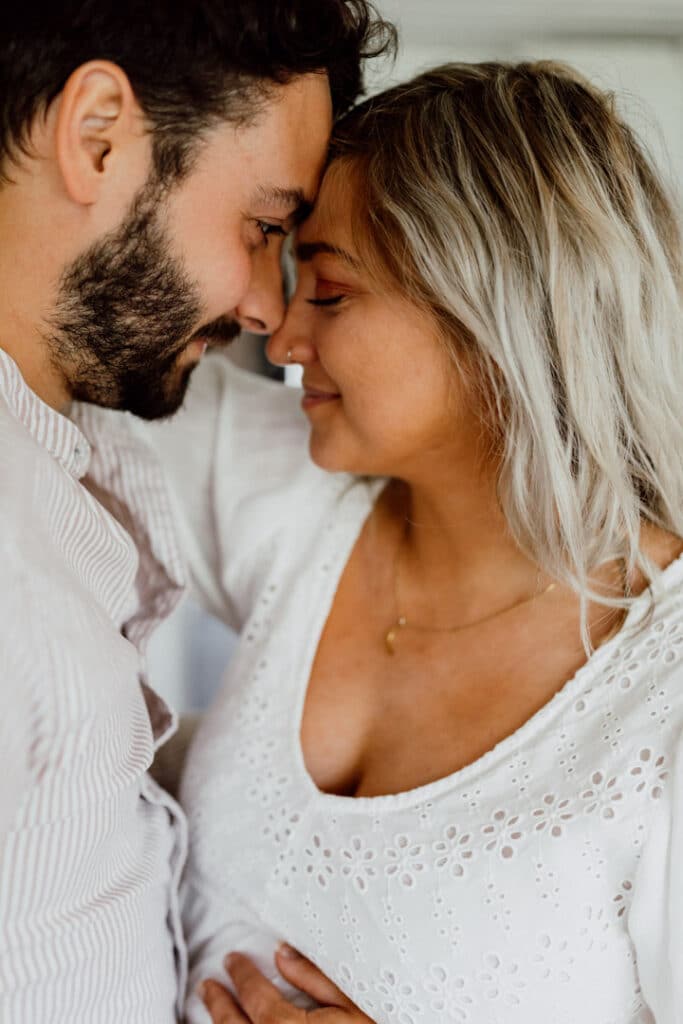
point(539, 885)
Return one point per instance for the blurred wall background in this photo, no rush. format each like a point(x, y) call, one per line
point(628, 46)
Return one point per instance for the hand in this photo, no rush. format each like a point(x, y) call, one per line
point(259, 1002)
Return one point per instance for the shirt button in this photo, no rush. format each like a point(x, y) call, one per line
point(78, 458)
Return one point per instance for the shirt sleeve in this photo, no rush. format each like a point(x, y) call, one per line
point(15, 725)
point(21, 648)
point(656, 917)
point(237, 465)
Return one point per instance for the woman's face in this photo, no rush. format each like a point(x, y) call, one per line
point(380, 392)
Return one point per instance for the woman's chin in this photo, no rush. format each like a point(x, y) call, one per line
point(330, 456)
point(333, 459)
point(324, 458)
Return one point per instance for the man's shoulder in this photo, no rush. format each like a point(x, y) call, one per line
point(14, 435)
point(34, 495)
point(23, 464)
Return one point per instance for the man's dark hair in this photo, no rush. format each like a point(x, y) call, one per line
point(191, 63)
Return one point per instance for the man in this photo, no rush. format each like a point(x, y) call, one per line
point(151, 161)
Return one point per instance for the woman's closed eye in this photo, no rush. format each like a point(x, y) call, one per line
point(333, 300)
point(328, 293)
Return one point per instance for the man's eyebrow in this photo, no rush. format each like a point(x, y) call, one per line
point(293, 200)
point(305, 251)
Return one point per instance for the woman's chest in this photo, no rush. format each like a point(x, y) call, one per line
point(501, 892)
point(376, 722)
point(495, 922)
point(502, 898)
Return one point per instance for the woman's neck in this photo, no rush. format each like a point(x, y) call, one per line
point(455, 558)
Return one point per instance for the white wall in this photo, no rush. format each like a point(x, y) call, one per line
point(646, 74)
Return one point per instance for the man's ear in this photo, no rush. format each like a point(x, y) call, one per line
point(97, 118)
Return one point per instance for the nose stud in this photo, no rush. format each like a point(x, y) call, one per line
point(290, 355)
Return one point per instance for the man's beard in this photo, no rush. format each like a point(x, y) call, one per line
point(125, 313)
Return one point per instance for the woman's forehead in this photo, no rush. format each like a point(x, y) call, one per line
point(330, 219)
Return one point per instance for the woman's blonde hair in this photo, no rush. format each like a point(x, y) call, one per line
point(513, 204)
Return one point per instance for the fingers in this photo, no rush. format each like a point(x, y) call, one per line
point(259, 998)
point(302, 974)
point(220, 1004)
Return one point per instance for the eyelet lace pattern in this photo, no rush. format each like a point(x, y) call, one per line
point(499, 895)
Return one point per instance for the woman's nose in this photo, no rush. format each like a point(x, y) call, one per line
point(292, 342)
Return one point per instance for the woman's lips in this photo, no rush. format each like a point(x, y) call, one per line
point(315, 396)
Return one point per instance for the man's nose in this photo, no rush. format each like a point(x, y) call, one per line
point(262, 309)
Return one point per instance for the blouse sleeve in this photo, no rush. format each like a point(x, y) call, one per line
point(216, 926)
point(237, 464)
point(656, 917)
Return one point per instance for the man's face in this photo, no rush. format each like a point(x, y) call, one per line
point(192, 265)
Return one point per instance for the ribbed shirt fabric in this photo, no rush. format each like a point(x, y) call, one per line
point(91, 849)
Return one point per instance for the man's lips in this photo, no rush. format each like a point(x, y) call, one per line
point(201, 342)
point(217, 334)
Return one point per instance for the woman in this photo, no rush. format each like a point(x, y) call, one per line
point(443, 765)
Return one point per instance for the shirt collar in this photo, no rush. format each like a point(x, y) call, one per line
point(52, 431)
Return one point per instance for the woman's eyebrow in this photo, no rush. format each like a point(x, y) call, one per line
point(305, 251)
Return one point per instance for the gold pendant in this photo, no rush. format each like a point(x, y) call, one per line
point(390, 638)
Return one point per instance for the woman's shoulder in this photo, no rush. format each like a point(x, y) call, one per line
point(664, 551)
point(262, 468)
point(242, 484)
point(225, 405)
point(268, 503)
point(658, 605)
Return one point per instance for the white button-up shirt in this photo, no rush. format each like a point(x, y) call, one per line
point(91, 849)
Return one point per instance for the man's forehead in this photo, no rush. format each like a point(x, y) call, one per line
point(289, 146)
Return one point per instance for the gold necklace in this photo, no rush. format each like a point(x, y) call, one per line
point(401, 621)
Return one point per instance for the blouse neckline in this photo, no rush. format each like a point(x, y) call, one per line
point(340, 540)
